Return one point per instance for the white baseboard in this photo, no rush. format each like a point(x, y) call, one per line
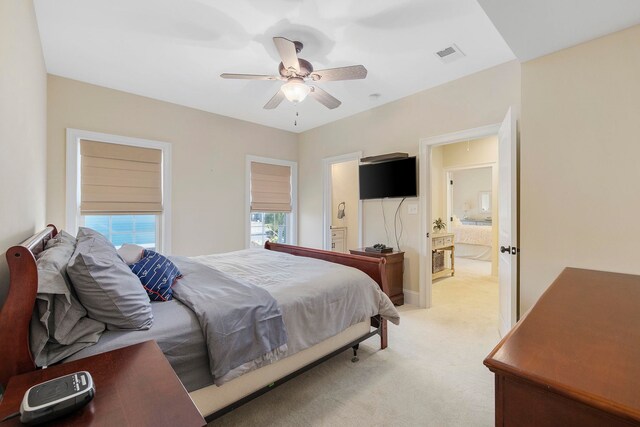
point(411, 297)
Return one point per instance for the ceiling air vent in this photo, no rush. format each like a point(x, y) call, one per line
point(449, 54)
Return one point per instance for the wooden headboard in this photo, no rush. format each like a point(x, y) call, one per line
point(15, 357)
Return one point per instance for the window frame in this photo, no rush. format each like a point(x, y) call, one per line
point(73, 185)
point(293, 230)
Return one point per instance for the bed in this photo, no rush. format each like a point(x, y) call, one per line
point(179, 331)
point(473, 241)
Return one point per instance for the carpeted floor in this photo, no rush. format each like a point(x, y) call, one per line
point(430, 375)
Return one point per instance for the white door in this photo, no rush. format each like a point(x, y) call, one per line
point(508, 223)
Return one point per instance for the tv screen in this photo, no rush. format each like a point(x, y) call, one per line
point(393, 178)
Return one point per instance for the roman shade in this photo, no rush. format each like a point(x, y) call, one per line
point(270, 188)
point(120, 179)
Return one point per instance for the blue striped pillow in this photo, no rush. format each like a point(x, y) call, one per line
point(157, 275)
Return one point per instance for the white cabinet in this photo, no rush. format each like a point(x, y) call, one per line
point(441, 242)
point(339, 239)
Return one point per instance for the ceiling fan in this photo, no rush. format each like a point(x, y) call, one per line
point(296, 72)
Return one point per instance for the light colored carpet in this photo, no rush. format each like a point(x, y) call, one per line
point(473, 266)
point(430, 375)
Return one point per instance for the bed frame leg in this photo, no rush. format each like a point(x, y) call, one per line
point(383, 334)
point(355, 357)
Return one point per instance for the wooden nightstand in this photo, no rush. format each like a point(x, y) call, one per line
point(395, 270)
point(135, 386)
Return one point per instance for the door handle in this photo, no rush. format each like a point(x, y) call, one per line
point(505, 250)
point(514, 251)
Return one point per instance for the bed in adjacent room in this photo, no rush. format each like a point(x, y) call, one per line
point(307, 309)
point(473, 241)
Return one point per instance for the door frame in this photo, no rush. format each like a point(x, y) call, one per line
point(327, 206)
point(425, 147)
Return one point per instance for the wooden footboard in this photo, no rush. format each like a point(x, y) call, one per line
point(373, 267)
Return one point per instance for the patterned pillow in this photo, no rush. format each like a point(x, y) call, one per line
point(157, 274)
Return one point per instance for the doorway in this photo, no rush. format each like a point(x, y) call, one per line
point(342, 210)
point(462, 190)
point(471, 207)
point(507, 214)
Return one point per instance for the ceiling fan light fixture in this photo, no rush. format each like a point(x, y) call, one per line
point(295, 90)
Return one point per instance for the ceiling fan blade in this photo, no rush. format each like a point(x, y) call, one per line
point(287, 50)
point(324, 98)
point(248, 76)
point(353, 72)
point(274, 101)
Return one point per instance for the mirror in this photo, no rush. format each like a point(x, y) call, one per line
point(484, 201)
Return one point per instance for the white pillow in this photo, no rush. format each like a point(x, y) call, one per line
point(130, 253)
point(456, 221)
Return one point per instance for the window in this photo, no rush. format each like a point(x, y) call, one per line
point(269, 226)
point(119, 187)
point(271, 201)
point(119, 229)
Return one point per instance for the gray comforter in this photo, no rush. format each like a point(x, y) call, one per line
point(241, 322)
point(318, 299)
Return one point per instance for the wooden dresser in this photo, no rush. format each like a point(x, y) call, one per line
point(395, 270)
point(574, 359)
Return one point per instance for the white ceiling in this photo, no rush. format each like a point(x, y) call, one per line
point(175, 50)
point(536, 28)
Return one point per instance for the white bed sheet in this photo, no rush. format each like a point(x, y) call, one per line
point(473, 234)
point(473, 241)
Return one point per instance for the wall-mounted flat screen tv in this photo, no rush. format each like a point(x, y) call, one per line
point(393, 178)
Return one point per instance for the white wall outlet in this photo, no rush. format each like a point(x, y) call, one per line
point(412, 208)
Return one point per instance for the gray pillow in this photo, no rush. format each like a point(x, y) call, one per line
point(131, 253)
point(85, 232)
point(105, 285)
point(59, 326)
point(62, 238)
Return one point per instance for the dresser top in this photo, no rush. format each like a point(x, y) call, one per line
point(444, 234)
point(363, 251)
point(581, 339)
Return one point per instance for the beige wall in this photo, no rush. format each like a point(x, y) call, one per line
point(580, 152)
point(479, 151)
point(23, 115)
point(344, 188)
point(208, 164)
point(477, 100)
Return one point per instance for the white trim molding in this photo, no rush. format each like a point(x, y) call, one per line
point(73, 182)
point(326, 197)
point(411, 297)
point(294, 195)
point(425, 145)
